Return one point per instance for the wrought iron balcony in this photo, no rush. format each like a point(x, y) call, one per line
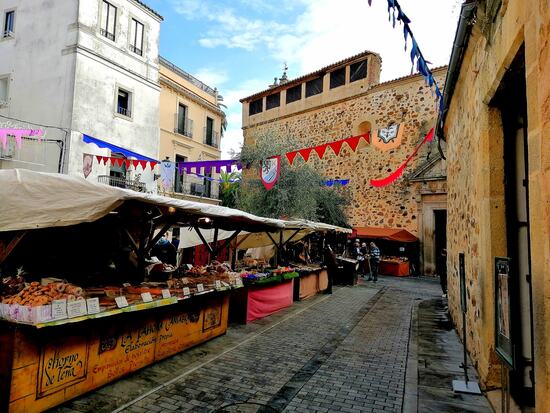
point(108, 35)
point(211, 138)
point(136, 50)
point(121, 183)
point(183, 126)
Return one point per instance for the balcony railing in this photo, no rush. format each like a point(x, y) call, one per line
point(108, 35)
point(124, 111)
point(197, 188)
point(212, 138)
point(188, 76)
point(121, 183)
point(185, 129)
point(136, 50)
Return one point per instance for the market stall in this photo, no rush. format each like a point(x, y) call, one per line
point(269, 294)
point(398, 246)
point(311, 281)
point(265, 293)
point(83, 301)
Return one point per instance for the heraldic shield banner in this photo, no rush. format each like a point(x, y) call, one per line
point(270, 170)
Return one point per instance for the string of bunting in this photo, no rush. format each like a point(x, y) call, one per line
point(320, 150)
point(336, 182)
point(399, 171)
point(396, 14)
point(18, 134)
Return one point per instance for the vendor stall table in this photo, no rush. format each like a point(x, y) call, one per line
point(310, 283)
point(260, 300)
point(347, 271)
point(392, 267)
point(42, 366)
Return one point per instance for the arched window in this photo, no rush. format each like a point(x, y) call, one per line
point(364, 127)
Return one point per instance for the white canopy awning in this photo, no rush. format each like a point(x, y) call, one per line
point(294, 231)
point(31, 200)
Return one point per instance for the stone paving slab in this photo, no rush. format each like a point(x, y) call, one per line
point(346, 352)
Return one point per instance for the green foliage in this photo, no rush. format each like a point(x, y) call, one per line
point(297, 194)
point(229, 190)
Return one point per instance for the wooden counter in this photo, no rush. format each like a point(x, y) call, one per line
point(42, 368)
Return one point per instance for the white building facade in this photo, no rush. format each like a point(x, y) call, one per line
point(87, 67)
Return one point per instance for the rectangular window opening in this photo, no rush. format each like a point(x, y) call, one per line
point(338, 78)
point(358, 71)
point(184, 125)
point(108, 21)
point(136, 37)
point(124, 102)
point(256, 106)
point(209, 138)
point(9, 20)
point(293, 94)
point(4, 82)
point(273, 101)
point(314, 87)
point(180, 179)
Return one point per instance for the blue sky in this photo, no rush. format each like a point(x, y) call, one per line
point(239, 46)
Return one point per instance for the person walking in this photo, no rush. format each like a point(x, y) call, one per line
point(442, 269)
point(374, 261)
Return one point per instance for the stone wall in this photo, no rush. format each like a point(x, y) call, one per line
point(476, 207)
point(408, 102)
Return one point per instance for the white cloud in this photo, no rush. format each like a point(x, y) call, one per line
point(329, 30)
point(212, 77)
point(233, 136)
point(320, 32)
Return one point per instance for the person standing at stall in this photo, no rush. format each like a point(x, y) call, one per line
point(332, 267)
point(374, 261)
point(365, 264)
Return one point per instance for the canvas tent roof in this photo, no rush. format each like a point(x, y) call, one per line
point(245, 240)
point(31, 200)
point(389, 234)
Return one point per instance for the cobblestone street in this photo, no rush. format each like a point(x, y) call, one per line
point(343, 352)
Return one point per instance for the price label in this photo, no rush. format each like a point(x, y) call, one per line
point(166, 293)
point(186, 291)
point(42, 314)
point(76, 308)
point(126, 284)
point(218, 285)
point(200, 288)
point(146, 297)
point(121, 302)
point(239, 282)
point(59, 309)
point(93, 305)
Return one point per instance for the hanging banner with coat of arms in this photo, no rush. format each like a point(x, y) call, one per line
point(269, 171)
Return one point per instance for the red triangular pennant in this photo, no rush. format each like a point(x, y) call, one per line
point(305, 153)
point(366, 137)
point(152, 164)
point(336, 146)
point(290, 156)
point(135, 163)
point(98, 157)
point(143, 164)
point(353, 142)
point(321, 149)
point(127, 162)
point(105, 159)
point(116, 161)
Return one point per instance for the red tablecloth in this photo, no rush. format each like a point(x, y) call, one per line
point(399, 269)
point(268, 299)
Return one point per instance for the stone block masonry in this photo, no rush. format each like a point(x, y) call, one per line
point(407, 102)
